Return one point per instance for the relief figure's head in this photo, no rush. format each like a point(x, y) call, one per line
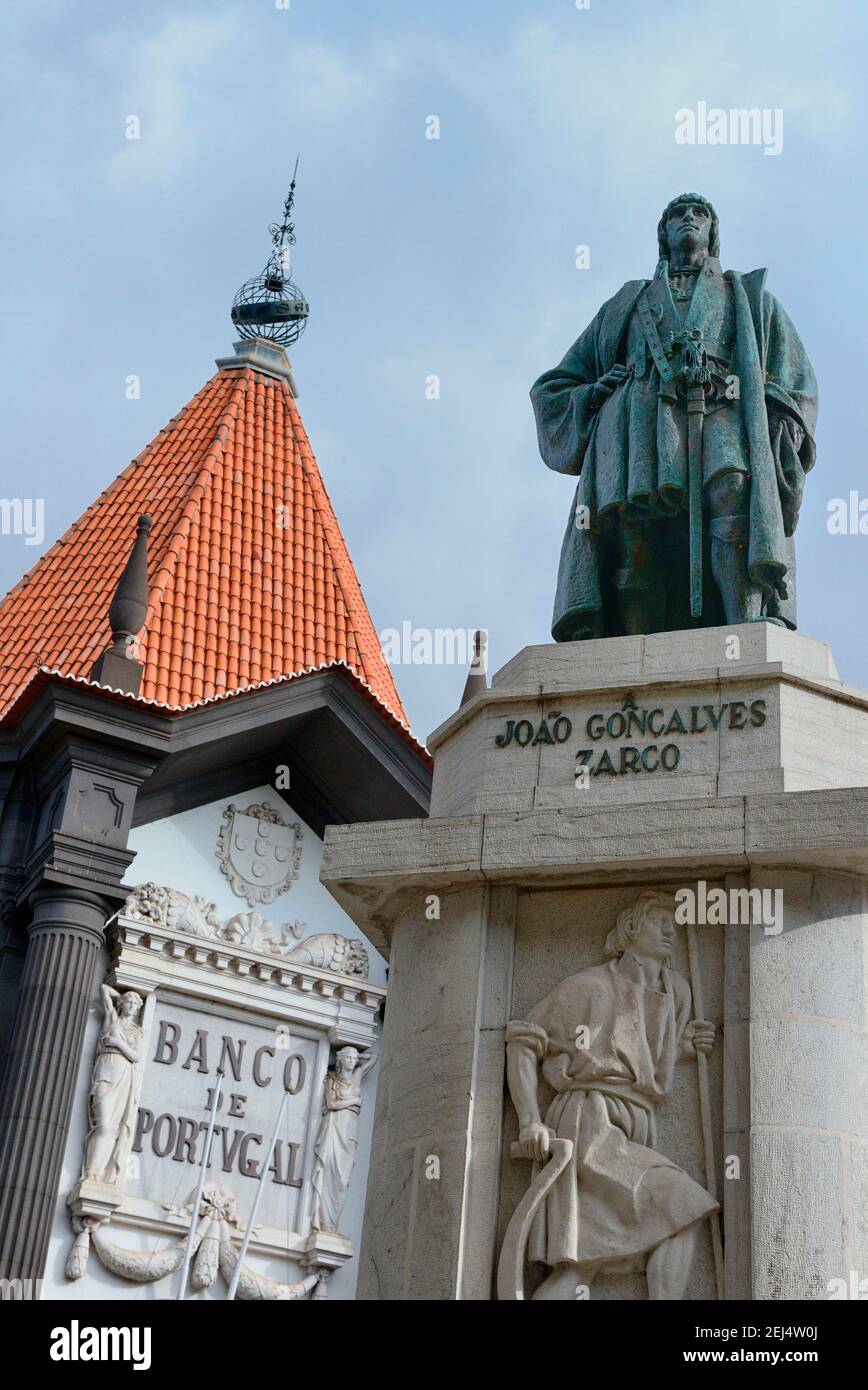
point(645, 929)
point(130, 1005)
point(346, 1061)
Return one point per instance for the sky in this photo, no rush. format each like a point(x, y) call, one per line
point(452, 257)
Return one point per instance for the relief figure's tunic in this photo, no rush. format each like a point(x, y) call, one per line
point(618, 1198)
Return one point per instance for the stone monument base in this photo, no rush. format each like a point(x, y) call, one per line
point(726, 768)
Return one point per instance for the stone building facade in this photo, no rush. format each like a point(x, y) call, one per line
point(191, 689)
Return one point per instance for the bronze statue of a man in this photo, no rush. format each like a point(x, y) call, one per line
point(688, 410)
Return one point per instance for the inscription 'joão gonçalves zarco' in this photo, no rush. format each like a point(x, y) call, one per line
point(631, 722)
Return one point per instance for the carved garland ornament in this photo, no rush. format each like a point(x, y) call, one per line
point(212, 1247)
point(158, 906)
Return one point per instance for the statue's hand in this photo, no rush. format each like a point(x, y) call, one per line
point(699, 1035)
point(533, 1141)
point(609, 382)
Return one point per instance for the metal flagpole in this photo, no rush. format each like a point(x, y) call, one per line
point(233, 1287)
point(705, 1110)
point(206, 1156)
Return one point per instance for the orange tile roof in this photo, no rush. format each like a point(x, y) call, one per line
point(250, 579)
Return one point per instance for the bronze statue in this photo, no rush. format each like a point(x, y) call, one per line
point(688, 409)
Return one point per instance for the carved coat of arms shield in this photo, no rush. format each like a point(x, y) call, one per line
point(258, 852)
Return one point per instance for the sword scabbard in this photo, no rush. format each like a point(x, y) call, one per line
point(695, 417)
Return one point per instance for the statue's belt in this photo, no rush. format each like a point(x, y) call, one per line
point(615, 1090)
point(716, 350)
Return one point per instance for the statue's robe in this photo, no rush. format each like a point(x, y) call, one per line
point(335, 1149)
point(618, 1198)
point(631, 452)
point(112, 1104)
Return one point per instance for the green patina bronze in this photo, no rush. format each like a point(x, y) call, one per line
point(687, 408)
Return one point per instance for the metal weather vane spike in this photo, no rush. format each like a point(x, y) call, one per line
point(283, 232)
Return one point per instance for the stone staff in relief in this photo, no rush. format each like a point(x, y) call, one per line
point(705, 1111)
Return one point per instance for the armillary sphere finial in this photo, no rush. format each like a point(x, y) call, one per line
point(271, 305)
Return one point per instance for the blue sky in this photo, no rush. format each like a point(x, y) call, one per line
point(453, 257)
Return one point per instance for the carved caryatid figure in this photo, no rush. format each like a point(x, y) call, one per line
point(338, 1137)
point(688, 409)
point(113, 1090)
point(608, 1040)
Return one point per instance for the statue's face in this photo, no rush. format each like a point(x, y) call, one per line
point(656, 936)
point(129, 1006)
point(347, 1059)
point(688, 229)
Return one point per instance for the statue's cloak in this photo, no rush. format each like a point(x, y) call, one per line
point(632, 462)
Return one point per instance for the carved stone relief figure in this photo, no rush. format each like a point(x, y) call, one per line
point(112, 1102)
point(337, 1140)
point(607, 1040)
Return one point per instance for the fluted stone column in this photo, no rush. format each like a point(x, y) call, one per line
point(808, 1071)
point(63, 947)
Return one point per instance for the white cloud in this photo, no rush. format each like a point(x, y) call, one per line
point(162, 82)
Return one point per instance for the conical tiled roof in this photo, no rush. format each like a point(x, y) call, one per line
point(250, 579)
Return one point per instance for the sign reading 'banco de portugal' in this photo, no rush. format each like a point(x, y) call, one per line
point(631, 728)
point(187, 1048)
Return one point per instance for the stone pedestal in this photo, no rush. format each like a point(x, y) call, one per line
point(723, 759)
